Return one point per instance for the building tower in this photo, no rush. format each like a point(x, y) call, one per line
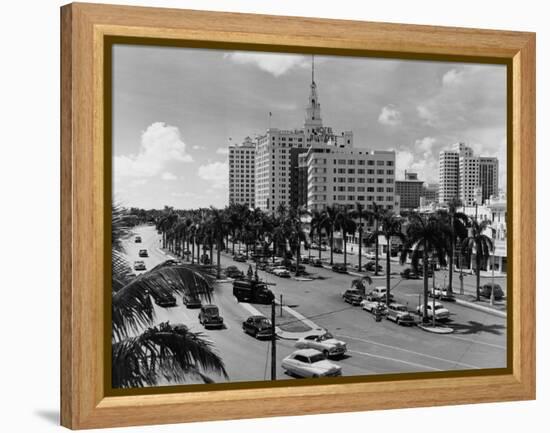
point(313, 121)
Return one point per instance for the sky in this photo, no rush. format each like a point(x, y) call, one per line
point(175, 111)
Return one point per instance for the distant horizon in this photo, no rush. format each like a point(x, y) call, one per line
point(175, 110)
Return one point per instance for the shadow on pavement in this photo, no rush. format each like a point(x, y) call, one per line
point(473, 327)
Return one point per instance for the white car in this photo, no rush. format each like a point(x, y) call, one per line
point(324, 343)
point(441, 313)
point(379, 293)
point(371, 304)
point(310, 363)
point(281, 271)
point(370, 256)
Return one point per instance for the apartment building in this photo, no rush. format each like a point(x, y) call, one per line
point(242, 172)
point(409, 190)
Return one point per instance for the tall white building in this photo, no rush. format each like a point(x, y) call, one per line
point(448, 176)
point(242, 172)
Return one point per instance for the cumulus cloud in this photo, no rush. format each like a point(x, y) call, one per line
point(216, 173)
point(389, 116)
point(197, 147)
point(168, 176)
point(273, 63)
point(452, 77)
point(222, 151)
point(427, 115)
point(421, 158)
point(160, 144)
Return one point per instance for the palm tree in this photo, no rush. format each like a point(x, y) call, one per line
point(390, 227)
point(457, 223)
point(359, 284)
point(318, 226)
point(359, 212)
point(295, 233)
point(375, 213)
point(427, 239)
point(479, 243)
point(218, 225)
point(330, 219)
point(346, 224)
point(142, 353)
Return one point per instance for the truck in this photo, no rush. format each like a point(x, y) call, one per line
point(252, 290)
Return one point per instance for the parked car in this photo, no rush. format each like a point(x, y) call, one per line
point(379, 293)
point(485, 291)
point(441, 313)
point(340, 268)
point(258, 327)
point(370, 256)
point(352, 296)
point(325, 343)
point(337, 250)
point(304, 259)
point(163, 299)
point(209, 317)
point(143, 253)
point(399, 314)
point(205, 259)
point(372, 304)
point(409, 274)
point(262, 265)
point(281, 271)
point(233, 272)
point(371, 266)
point(317, 263)
point(139, 265)
point(239, 258)
point(301, 268)
point(441, 293)
point(310, 363)
point(191, 301)
point(137, 240)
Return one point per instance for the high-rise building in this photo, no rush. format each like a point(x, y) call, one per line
point(468, 174)
point(409, 190)
point(448, 176)
point(242, 172)
point(488, 177)
point(430, 193)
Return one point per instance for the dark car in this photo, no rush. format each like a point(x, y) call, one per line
point(139, 265)
point(205, 259)
point(137, 240)
point(337, 250)
point(371, 266)
point(164, 299)
point(234, 272)
point(317, 263)
point(409, 274)
point(258, 327)
point(352, 296)
point(340, 268)
point(209, 317)
point(292, 268)
point(191, 301)
point(143, 253)
point(485, 291)
point(262, 266)
point(239, 258)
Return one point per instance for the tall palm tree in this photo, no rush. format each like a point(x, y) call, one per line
point(318, 226)
point(457, 223)
point(389, 227)
point(330, 221)
point(360, 213)
point(218, 225)
point(142, 354)
point(346, 224)
point(295, 233)
point(376, 213)
point(427, 238)
point(360, 284)
point(479, 243)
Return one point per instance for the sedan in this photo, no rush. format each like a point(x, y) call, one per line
point(486, 289)
point(239, 258)
point(209, 317)
point(440, 293)
point(373, 304)
point(317, 263)
point(139, 265)
point(441, 313)
point(326, 343)
point(143, 253)
point(234, 272)
point(258, 327)
point(137, 240)
point(353, 296)
point(282, 272)
point(310, 363)
point(409, 274)
point(399, 314)
point(340, 268)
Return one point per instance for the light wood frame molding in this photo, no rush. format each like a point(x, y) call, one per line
point(84, 403)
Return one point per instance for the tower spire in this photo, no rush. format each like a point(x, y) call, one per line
point(313, 68)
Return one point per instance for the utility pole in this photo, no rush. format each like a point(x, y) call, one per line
point(273, 344)
point(433, 292)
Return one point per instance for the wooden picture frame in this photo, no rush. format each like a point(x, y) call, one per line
point(84, 191)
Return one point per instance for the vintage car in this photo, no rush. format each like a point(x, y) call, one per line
point(441, 293)
point(371, 266)
point(258, 327)
point(399, 314)
point(233, 272)
point(325, 343)
point(281, 271)
point(310, 363)
point(485, 291)
point(239, 258)
point(352, 296)
point(373, 305)
point(137, 239)
point(209, 317)
point(340, 268)
point(143, 253)
point(163, 299)
point(139, 265)
point(317, 263)
point(441, 313)
point(191, 301)
point(379, 293)
point(409, 274)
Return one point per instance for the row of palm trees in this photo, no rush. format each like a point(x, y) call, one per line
point(426, 239)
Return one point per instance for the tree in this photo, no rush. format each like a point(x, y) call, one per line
point(426, 238)
point(359, 284)
point(318, 226)
point(218, 224)
point(143, 353)
point(346, 224)
point(376, 212)
point(295, 233)
point(360, 213)
point(330, 221)
point(479, 243)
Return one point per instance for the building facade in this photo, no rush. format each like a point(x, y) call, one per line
point(409, 190)
point(242, 162)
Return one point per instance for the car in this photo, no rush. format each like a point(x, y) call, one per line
point(233, 272)
point(373, 304)
point(239, 258)
point(305, 260)
point(281, 271)
point(143, 253)
point(324, 343)
point(164, 299)
point(209, 316)
point(352, 296)
point(258, 327)
point(379, 293)
point(370, 256)
point(441, 313)
point(317, 263)
point(301, 268)
point(314, 246)
point(139, 265)
point(137, 240)
point(485, 291)
point(310, 363)
point(441, 293)
point(205, 259)
point(191, 301)
point(262, 266)
point(371, 266)
point(409, 274)
point(399, 314)
point(337, 250)
point(340, 268)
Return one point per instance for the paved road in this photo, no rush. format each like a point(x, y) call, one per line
point(479, 340)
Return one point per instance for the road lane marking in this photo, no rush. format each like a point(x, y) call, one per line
point(468, 340)
point(395, 360)
point(410, 351)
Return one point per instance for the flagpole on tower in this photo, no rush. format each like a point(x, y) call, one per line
point(270, 114)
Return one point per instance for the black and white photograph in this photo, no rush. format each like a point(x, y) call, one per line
point(279, 216)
